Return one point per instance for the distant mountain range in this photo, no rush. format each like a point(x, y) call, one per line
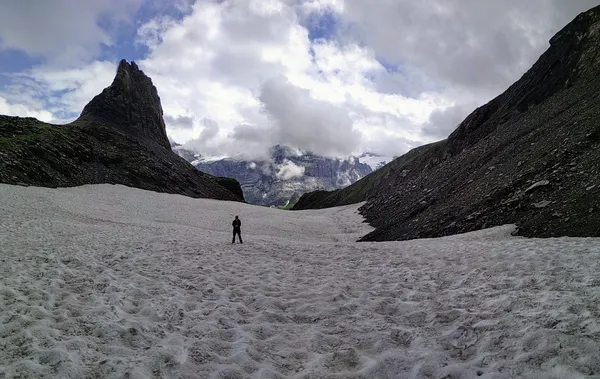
point(286, 174)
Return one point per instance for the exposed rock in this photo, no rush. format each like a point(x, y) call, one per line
point(130, 103)
point(542, 204)
point(535, 185)
point(543, 129)
point(232, 185)
point(120, 138)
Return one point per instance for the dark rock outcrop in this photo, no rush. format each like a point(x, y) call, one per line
point(120, 138)
point(529, 157)
point(131, 104)
point(232, 185)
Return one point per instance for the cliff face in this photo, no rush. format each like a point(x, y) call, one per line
point(530, 157)
point(131, 104)
point(119, 138)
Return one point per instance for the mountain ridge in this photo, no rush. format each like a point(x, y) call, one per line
point(528, 157)
point(119, 138)
point(279, 179)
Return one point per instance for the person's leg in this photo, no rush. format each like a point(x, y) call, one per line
point(233, 239)
point(240, 235)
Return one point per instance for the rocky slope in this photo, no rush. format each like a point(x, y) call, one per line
point(287, 173)
point(362, 189)
point(530, 157)
point(119, 138)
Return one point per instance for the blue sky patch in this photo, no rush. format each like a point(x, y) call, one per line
point(125, 35)
point(16, 61)
point(321, 25)
point(392, 68)
point(12, 62)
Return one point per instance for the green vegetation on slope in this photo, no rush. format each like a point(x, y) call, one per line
point(88, 152)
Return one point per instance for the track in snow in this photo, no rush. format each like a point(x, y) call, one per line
point(112, 282)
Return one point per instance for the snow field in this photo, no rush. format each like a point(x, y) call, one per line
point(112, 282)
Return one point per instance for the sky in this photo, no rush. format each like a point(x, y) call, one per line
point(335, 77)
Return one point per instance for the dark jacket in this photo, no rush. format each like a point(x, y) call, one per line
point(237, 224)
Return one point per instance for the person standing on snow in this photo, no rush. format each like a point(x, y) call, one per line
point(237, 225)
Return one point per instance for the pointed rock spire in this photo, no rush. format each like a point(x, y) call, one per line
point(132, 104)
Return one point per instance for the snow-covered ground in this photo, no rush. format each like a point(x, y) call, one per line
point(113, 282)
point(375, 161)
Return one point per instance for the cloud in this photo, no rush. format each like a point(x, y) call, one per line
point(289, 170)
point(63, 92)
point(390, 144)
point(228, 61)
point(20, 110)
point(481, 46)
point(63, 30)
point(331, 76)
point(252, 134)
point(179, 122)
point(298, 119)
point(443, 121)
point(265, 168)
point(245, 142)
point(211, 129)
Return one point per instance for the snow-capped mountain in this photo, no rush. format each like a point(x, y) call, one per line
point(288, 173)
point(184, 153)
point(375, 161)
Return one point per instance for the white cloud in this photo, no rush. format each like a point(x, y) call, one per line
point(482, 46)
point(66, 31)
point(443, 121)
point(62, 92)
point(289, 170)
point(236, 77)
point(311, 6)
point(20, 110)
point(76, 86)
point(297, 119)
point(253, 70)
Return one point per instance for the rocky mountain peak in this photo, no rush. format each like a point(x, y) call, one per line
point(119, 138)
point(131, 103)
point(581, 40)
point(573, 56)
